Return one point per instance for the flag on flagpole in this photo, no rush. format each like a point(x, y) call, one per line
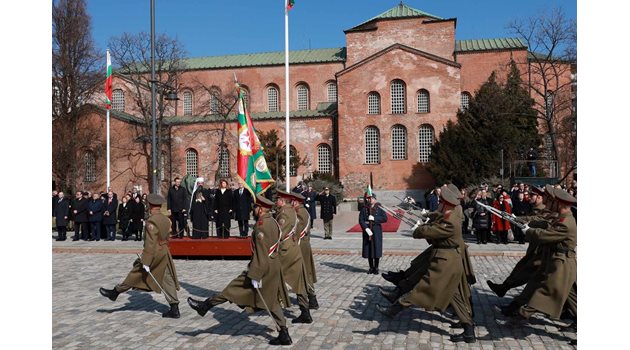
point(108, 83)
point(252, 168)
point(290, 4)
point(368, 191)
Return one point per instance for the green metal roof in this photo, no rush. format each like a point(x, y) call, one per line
point(267, 59)
point(399, 11)
point(489, 44)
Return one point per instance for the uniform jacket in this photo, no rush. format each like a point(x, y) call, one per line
point(372, 248)
point(304, 226)
point(97, 207)
point(310, 202)
point(328, 205)
point(290, 253)
point(61, 212)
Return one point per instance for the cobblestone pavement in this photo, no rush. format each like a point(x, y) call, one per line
point(346, 319)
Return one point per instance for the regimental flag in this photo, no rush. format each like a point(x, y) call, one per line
point(252, 167)
point(368, 191)
point(108, 83)
point(290, 4)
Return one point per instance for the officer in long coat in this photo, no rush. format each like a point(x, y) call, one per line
point(290, 254)
point(304, 241)
point(156, 259)
point(442, 285)
point(79, 209)
point(262, 284)
point(328, 209)
point(309, 202)
point(61, 212)
point(371, 217)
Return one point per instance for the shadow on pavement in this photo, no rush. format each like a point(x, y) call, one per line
point(229, 319)
point(139, 301)
point(197, 291)
point(346, 267)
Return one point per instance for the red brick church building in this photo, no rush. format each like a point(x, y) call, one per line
point(376, 105)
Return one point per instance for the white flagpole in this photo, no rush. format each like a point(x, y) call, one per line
point(287, 144)
point(108, 145)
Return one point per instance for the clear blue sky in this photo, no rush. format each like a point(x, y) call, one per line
point(220, 27)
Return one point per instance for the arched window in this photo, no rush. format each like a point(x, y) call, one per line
point(423, 101)
point(224, 163)
point(191, 162)
point(374, 103)
point(89, 161)
point(397, 90)
point(465, 100)
point(118, 100)
point(399, 142)
point(292, 163)
point(323, 158)
point(246, 96)
point(331, 90)
point(425, 142)
point(302, 97)
point(188, 103)
point(272, 99)
point(215, 104)
point(372, 145)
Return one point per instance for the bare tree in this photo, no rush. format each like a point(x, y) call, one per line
point(551, 39)
point(74, 81)
point(131, 54)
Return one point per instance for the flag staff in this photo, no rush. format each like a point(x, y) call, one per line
point(287, 144)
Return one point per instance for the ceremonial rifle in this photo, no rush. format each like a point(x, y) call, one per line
point(503, 215)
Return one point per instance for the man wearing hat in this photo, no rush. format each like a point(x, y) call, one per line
point(304, 242)
point(442, 284)
point(371, 217)
point(328, 207)
point(290, 255)
point(156, 259)
point(262, 284)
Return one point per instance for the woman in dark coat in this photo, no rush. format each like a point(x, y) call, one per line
point(137, 217)
point(110, 215)
point(371, 217)
point(124, 215)
point(199, 215)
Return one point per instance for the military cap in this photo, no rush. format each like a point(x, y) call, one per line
point(564, 196)
point(284, 194)
point(263, 202)
point(537, 190)
point(155, 199)
point(298, 196)
point(448, 196)
point(549, 190)
point(455, 190)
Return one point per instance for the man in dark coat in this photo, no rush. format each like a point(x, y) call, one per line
point(109, 215)
point(370, 218)
point(96, 207)
point(79, 209)
point(223, 208)
point(242, 209)
point(328, 204)
point(124, 217)
point(177, 204)
point(309, 202)
point(61, 210)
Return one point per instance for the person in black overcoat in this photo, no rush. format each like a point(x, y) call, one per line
point(137, 217)
point(124, 217)
point(96, 207)
point(199, 216)
point(177, 202)
point(61, 211)
point(309, 202)
point(520, 207)
point(482, 222)
point(79, 209)
point(242, 209)
point(223, 208)
point(109, 215)
point(328, 204)
point(371, 217)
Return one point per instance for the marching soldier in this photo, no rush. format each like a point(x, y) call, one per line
point(155, 270)
point(262, 286)
point(444, 282)
point(304, 241)
point(291, 256)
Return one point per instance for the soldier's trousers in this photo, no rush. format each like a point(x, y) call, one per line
point(521, 273)
point(168, 283)
point(328, 228)
point(462, 307)
point(276, 309)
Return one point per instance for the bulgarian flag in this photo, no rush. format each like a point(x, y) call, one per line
point(108, 83)
point(290, 4)
point(368, 191)
point(252, 167)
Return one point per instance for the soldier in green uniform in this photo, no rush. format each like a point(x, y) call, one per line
point(156, 259)
point(304, 241)
point(261, 286)
point(445, 280)
point(290, 255)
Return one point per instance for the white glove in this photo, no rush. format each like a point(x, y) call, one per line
point(369, 232)
point(257, 284)
point(423, 211)
point(306, 205)
point(525, 228)
point(418, 224)
point(371, 218)
point(146, 268)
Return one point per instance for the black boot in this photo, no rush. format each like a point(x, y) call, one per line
point(312, 302)
point(201, 307)
point(498, 289)
point(283, 338)
point(510, 309)
point(305, 316)
point(392, 295)
point(468, 335)
point(112, 294)
point(390, 311)
point(173, 312)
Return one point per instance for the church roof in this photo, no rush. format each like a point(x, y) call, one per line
point(399, 11)
point(489, 44)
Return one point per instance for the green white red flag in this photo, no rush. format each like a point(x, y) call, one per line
point(252, 168)
point(290, 4)
point(108, 83)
